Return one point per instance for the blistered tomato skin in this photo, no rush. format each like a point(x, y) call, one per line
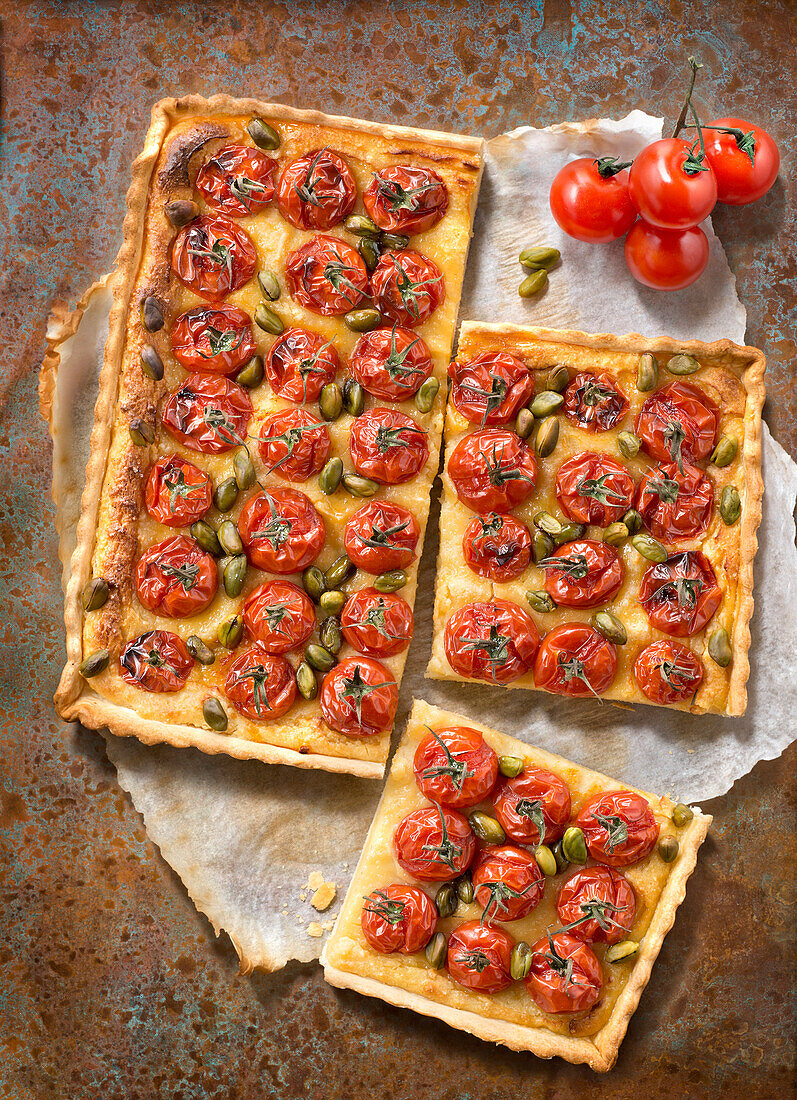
point(260, 685)
point(668, 672)
point(619, 828)
point(398, 918)
point(678, 423)
point(675, 506)
point(433, 844)
point(156, 661)
point(455, 767)
point(176, 578)
point(663, 189)
point(359, 697)
point(178, 493)
point(404, 199)
point(565, 974)
point(479, 957)
point(208, 413)
point(594, 488)
point(597, 905)
point(533, 807)
point(583, 573)
point(507, 883)
point(407, 287)
point(377, 624)
point(281, 531)
point(294, 444)
point(490, 388)
point(681, 594)
point(216, 340)
point(388, 446)
point(382, 536)
point(494, 641)
point(300, 363)
point(492, 470)
point(213, 257)
point(497, 547)
point(574, 659)
point(326, 276)
point(742, 176)
point(279, 615)
point(237, 181)
point(594, 402)
point(317, 190)
point(390, 363)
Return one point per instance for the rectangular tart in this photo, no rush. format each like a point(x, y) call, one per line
point(247, 241)
point(512, 1016)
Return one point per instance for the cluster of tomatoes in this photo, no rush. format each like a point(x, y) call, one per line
point(457, 770)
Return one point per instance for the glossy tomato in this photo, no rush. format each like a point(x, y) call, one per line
point(594, 488)
point(281, 530)
point(213, 257)
point(259, 685)
point(619, 827)
point(492, 470)
point(666, 259)
point(390, 363)
point(675, 505)
point(584, 573)
point(671, 184)
point(494, 641)
point(388, 446)
point(208, 413)
point(433, 844)
point(678, 423)
point(279, 615)
point(398, 918)
point(668, 672)
point(597, 905)
point(381, 536)
point(479, 957)
point(404, 199)
point(317, 190)
point(294, 444)
point(455, 767)
point(217, 340)
point(359, 697)
point(176, 578)
point(574, 659)
point(377, 624)
point(327, 276)
point(491, 388)
point(497, 547)
point(177, 492)
point(745, 161)
point(300, 363)
point(407, 287)
point(565, 974)
point(156, 661)
point(594, 403)
point(237, 181)
point(534, 807)
point(589, 199)
point(681, 594)
point(507, 883)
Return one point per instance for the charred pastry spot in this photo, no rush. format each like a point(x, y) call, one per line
point(175, 172)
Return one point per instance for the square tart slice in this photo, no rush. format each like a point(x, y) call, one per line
point(601, 500)
point(285, 304)
point(457, 911)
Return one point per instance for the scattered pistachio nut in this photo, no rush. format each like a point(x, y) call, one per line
point(668, 848)
point(199, 651)
point(152, 313)
point(358, 486)
point(214, 714)
point(446, 900)
point(225, 494)
point(268, 320)
point(730, 505)
point(547, 436)
point(207, 538)
point(363, 320)
point(464, 885)
point(682, 364)
point(558, 378)
point(520, 961)
point(525, 423)
point(540, 601)
point(151, 362)
point(332, 603)
point(542, 545)
point(264, 136)
point(535, 258)
point(574, 846)
point(436, 950)
point(633, 521)
point(545, 403)
point(269, 285)
point(319, 658)
point(306, 681)
point(251, 375)
point(562, 862)
point(647, 372)
point(245, 475)
point(353, 397)
point(719, 647)
point(533, 284)
point(314, 583)
point(569, 532)
point(329, 478)
point(649, 547)
point(615, 534)
point(330, 401)
point(547, 523)
point(725, 451)
point(330, 633)
point(181, 212)
point(235, 575)
point(681, 815)
point(231, 631)
point(391, 581)
point(229, 539)
point(546, 860)
point(426, 395)
point(511, 766)
point(609, 627)
point(95, 594)
point(339, 572)
point(486, 828)
point(629, 444)
point(94, 664)
point(362, 225)
point(141, 433)
point(395, 240)
point(617, 952)
point(370, 252)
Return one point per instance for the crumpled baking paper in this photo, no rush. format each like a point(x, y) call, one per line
point(244, 837)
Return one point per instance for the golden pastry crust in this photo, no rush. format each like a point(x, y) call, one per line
point(734, 377)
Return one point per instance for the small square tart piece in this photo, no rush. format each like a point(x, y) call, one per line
point(511, 1017)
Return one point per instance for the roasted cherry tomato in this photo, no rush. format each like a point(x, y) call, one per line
point(678, 423)
point(492, 470)
point(433, 844)
point(619, 827)
point(666, 259)
point(381, 536)
point(455, 767)
point(507, 883)
point(317, 190)
point(565, 974)
point(300, 363)
point(668, 672)
point(213, 257)
point(671, 184)
point(681, 594)
point(584, 573)
point(744, 158)
point(597, 905)
point(377, 624)
point(294, 444)
point(176, 578)
point(359, 697)
point(327, 276)
point(217, 340)
point(497, 547)
point(388, 446)
point(405, 199)
point(491, 388)
point(534, 807)
point(281, 530)
point(574, 659)
point(156, 661)
point(177, 493)
point(675, 505)
point(279, 615)
point(391, 363)
point(594, 488)
point(260, 685)
point(237, 181)
point(479, 957)
point(208, 413)
point(407, 287)
point(594, 403)
point(398, 918)
point(589, 199)
point(494, 641)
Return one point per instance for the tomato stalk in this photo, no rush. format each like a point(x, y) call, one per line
point(694, 162)
point(611, 166)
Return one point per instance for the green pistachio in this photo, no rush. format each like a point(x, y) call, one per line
point(231, 631)
point(425, 397)
point(610, 627)
point(629, 444)
point(151, 363)
point(525, 423)
point(615, 534)
point(306, 681)
point(464, 885)
point(207, 538)
point(390, 582)
point(95, 594)
point(647, 372)
point(570, 532)
point(520, 961)
point(358, 486)
point(547, 436)
point(681, 815)
point(486, 828)
point(329, 478)
point(214, 714)
point(152, 314)
point(546, 403)
point(574, 846)
point(535, 258)
point(362, 225)
point(269, 285)
point(725, 451)
point(558, 378)
point(633, 521)
point(719, 647)
point(436, 950)
point(353, 397)
point(251, 375)
point(540, 601)
point(263, 135)
point(546, 860)
point(229, 539)
point(370, 252)
point(363, 320)
point(542, 545)
point(245, 476)
point(330, 401)
point(730, 505)
point(199, 651)
point(330, 634)
point(649, 548)
point(668, 848)
point(94, 664)
point(141, 433)
point(562, 862)
point(319, 658)
point(620, 951)
point(314, 583)
point(235, 575)
point(511, 766)
point(682, 364)
point(332, 603)
point(547, 523)
point(225, 494)
point(395, 240)
point(339, 572)
point(533, 284)
point(268, 320)
point(446, 900)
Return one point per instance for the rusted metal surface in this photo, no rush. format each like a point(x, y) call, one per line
point(112, 984)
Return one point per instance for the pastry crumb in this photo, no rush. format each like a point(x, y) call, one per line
point(316, 879)
point(324, 896)
point(315, 929)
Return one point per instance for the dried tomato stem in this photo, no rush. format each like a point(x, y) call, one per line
point(694, 65)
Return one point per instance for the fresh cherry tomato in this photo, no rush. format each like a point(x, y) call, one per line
point(359, 697)
point(678, 423)
point(455, 767)
point(675, 505)
point(213, 257)
point(681, 594)
point(492, 470)
point(494, 641)
point(216, 340)
point(279, 615)
point(317, 190)
point(668, 672)
point(407, 287)
point(497, 547)
point(565, 974)
point(294, 444)
point(259, 685)
point(405, 199)
point(745, 164)
point(594, 403)
point(589, 199)
point(574, 659)
point(671, 186)
point(327, 276)
point(281, 530)
point(398, 918)
point(666, 259)
point(584, 573)
point(594, 488)
point(176, 578)
point(156, 661)
point(300, 363)
point(388, 446)
point(479, 957)
point(377, 624)
point(619, 827)
point(208, 413)
point(534, 807)
point(381, 536)
point(177, 493)
point(391, 363)
point(237, 181)
point(433, 844)
point(507, 883)
point(491, 388)
point(597, 905)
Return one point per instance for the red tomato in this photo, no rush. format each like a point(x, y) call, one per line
point(177, 493)
point(492, 470)
point(589, 199)
point(217, 340)
point(671, 185)
point(388, 446)
point(237, 181)
point(279, 615)
point(455, 767)
point(491, 388)
point(675, 505)
point(208, 413)
point(376, 624)
point(666, 259)
point(381, 536)
point(583, 573)
point(300, 363)
point(594, 403)
point(176, 578)
point(681, 594)
point(317, 190)
point(534, 807)
point(597, 905)
point(744, 163)
point(391, 364)
point(281, 530)
point(156, 661)
point(213, 257)
point(574, 659)
point(359, 697)
point(433, 844)
point(327, 276)
point(398, 918)
point(405, 199)
point(668, 672)
point(678, 423)
point(594, 488)
point(565, 974)
point(494, 641)
point(507, 883)
point(294, 444)
point(407, 287)
point(619, 827)
point(497, 547)
point(259, 685)
point(479, 957)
